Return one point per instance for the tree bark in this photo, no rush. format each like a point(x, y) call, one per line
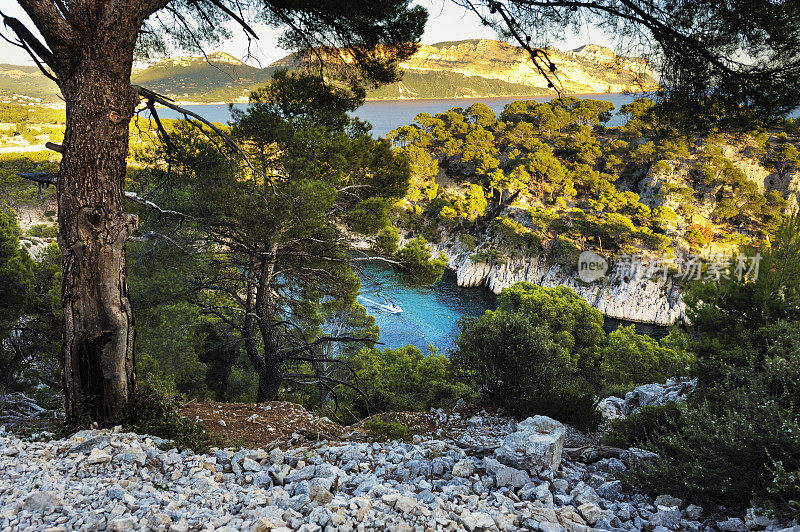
point(269, 381)
point(97, 351)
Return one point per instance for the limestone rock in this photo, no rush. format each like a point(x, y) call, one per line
point(536, 445)
point(90, 443)
point(122, 524)
point(590, 512)
point(464, 468)
point(733, 524)
point(41, 502)
point(98, 456)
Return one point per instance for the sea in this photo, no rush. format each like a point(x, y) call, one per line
point(386, 115)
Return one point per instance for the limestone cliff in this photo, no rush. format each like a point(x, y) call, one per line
point(588, 69)
point(485, 68)
point(643, 300)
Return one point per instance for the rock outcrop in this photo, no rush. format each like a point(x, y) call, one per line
point(648, 300)
point(646, 395)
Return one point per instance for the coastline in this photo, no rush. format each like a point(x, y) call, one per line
point(60, 105)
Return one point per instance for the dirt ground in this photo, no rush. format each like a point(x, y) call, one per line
point(262, 424)
point(279, 423)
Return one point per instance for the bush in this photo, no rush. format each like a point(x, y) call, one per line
point(518, 366)
point(738, 439)
point(573, 323)
point(149, 412)
point(381, 431)
point(637, 429)
point(386, 241)
point(728, 450)
point(467, 240)
point(564, 251)
point(421, 267)
point(402, 379)
point(491, 255)
point(43, 231)
point(631, 359)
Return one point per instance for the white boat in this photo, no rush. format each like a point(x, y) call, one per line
point(387, 306)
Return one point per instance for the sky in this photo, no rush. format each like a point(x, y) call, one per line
point(446, 22)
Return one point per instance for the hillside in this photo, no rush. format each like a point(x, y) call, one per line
point(519, 197)
point(588, 69)
point(218, 78)
point(473, 68)
point(25, 85)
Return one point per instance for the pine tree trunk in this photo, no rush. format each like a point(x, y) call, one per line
point(98, 360)
point(269, 383)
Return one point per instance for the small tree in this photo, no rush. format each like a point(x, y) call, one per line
point(520, 367)
point(280, 260)
point(28, 318)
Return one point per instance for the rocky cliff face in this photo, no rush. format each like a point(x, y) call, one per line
point(642, 299)
point(588, 69)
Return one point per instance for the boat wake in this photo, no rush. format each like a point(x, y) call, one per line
point(387, 306)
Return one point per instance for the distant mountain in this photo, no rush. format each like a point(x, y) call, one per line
point(472, 68)
point(25, 84)
point(588, 69)
point(219, 77)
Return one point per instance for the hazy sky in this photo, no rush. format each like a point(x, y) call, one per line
point(446, 22)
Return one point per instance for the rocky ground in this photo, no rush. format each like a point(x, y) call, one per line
point(464, 470)
point(470, 472)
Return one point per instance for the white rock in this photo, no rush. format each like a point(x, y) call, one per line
point(477, 520)
point(756, 520)
point(405, 504)
point(464, 468)
point(248, 464)
point(590, 512)
point(694, 512)
point(537, 444)
point(122, 524)
point(733, 524)
point(98, 456)
point(41, 502)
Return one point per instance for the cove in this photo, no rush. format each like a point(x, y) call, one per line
point(430, 314)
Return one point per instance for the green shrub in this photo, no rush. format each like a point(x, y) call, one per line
point(150, 412)
point(564, 251)
point(402, 379)
point(386, 241)
point(727, 450)
point(572, 322)
point(43, 231)
point(467, 240)
point(494, 256)
point(421, 267)
point(381, 431)
point(737, 442)
point(631, 358)
point(636, 430)
point(518, 366)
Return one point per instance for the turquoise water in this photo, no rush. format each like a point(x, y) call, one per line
point(430, 314)
point(386, 115)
